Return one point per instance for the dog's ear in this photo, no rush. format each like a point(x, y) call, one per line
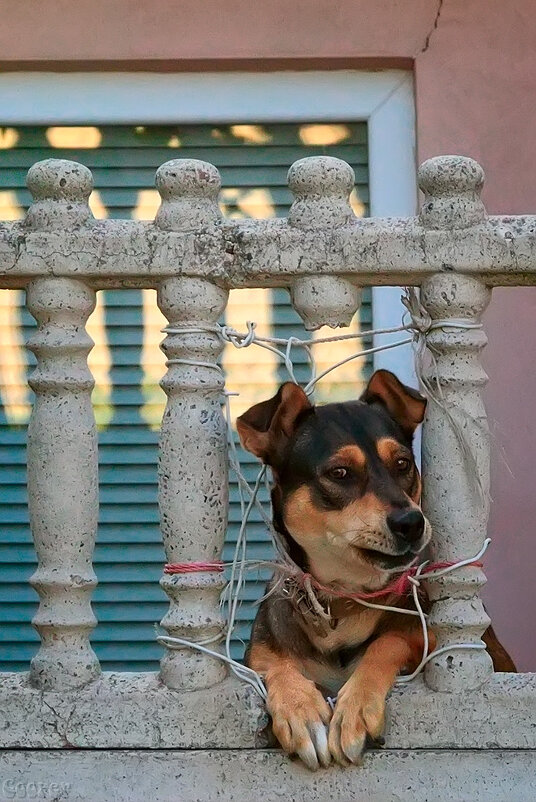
point(267, 426)
point(404, 404)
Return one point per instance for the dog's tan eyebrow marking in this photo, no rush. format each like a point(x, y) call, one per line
point(349, 455)
point(388, 448)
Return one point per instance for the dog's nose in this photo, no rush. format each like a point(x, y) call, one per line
point(406, 524)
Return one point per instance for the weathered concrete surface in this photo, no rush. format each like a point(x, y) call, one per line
point(138, 711)
point(321, 238)
point(63, 481)
point(63, 486)
point(117, 253)
point(123, 710)
point(456, 490)
point(193, 494)
point(321, 189)
point(246, 776)
point(501, 714)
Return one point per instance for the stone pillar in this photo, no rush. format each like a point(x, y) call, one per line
point(321, 186)
point(62, 443)
point(456, 476)
point(193, 488)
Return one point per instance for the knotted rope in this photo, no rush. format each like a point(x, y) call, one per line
point(420, 324)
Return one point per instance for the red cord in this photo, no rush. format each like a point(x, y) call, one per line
point(192, 568)
point(399, 587)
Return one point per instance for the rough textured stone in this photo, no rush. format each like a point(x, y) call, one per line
point(321, 187)
point(500, 714)
point(270, 253)
point(61, 191)
point(139, 711)
point(231, 776)
point(322, 236)
point(192, 468)
point(62, 482)
point(325, 301)
point(451, 187)
point(62, 441)
point(456, 490)
point(189, 189)
point(130, 711)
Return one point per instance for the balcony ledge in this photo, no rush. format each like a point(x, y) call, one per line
point(136, 711)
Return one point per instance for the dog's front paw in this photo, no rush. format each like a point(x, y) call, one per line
point(300, 716)
point(359, 711)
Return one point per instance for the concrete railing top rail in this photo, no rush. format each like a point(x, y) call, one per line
point(321, 235)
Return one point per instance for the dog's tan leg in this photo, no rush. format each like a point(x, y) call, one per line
point(360, 707)
point(299, 712)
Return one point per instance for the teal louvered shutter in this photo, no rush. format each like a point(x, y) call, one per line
point(253, 161)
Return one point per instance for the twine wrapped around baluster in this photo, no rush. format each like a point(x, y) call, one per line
point(421, 325)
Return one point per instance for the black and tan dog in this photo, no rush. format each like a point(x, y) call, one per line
point(346, 500)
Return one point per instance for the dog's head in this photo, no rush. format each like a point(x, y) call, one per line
point(346, 487)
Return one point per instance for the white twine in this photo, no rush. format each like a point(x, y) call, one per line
point(421, 324)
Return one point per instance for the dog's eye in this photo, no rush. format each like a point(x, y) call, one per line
point(403, 464)
point(337, 473)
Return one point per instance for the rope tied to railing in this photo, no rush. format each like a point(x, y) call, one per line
point(420, 325)
point(409, 581)
point(194, 567)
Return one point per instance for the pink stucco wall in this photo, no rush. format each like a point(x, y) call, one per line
point(475, 88)
point(475, 71)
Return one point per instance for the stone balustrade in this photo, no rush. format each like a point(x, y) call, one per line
point(193, 257)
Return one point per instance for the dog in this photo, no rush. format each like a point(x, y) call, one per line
point(346, 504)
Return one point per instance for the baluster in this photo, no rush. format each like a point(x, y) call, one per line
point(193, 488)
point(62, 443)
point(321, 186)
point(455, 501)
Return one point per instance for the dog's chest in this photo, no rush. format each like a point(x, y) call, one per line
point(341, 650)
point(348, 630)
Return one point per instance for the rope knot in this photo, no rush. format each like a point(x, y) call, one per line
point(421, 320)
point(422, 323)
point(237, 338)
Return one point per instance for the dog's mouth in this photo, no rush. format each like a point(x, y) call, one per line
point(389, 562)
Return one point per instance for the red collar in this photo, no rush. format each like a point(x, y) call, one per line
point(398, 587)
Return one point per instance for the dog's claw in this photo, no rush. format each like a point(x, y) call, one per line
point(300, 728)
point(377, 741)
point(334, 741)
point(311, 744)
point(357, 715)
point(319, 737)
point(308, 756)
point(354, 750)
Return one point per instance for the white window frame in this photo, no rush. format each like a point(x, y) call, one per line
point(384, 99)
